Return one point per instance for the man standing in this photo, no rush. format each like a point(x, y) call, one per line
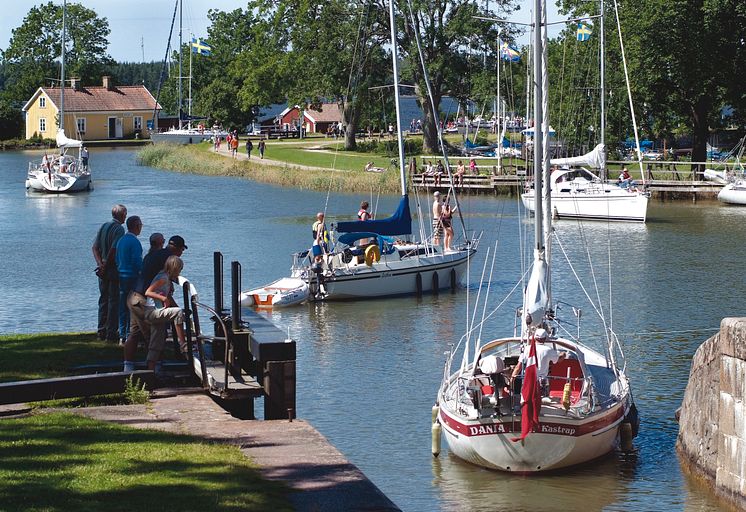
point(249, 147)
point(437, 214)
point(262, 147)
point(104, 251)
point(84, 157)
point(129, 265)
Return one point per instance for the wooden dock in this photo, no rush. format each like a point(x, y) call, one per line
point(664, 183)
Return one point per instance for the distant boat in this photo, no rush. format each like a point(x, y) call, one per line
point(66, 171)
point(284, 292)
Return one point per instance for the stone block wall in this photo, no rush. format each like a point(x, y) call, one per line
point(712, 424)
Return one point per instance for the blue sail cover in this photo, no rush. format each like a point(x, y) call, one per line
point(400, 223)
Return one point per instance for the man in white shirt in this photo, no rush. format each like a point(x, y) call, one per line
point(544, 355)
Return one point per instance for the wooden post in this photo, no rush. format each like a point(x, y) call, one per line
point(279, 389)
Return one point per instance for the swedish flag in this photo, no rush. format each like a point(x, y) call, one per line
point(584, 32)
point(201, 47)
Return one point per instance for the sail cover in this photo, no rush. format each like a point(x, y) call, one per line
point(64, 142)
point(594, 159)
point(536, 297)
point(400, 223)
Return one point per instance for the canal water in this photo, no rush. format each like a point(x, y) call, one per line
point(368, 371)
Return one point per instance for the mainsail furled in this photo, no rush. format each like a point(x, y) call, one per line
point(595, 159)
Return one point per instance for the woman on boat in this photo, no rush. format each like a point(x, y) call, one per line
point(446, 220)
point(159, 311)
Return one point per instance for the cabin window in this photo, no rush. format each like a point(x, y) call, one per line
point(81, 124)
point(137, 122)
point(42, 102)
point(42, 124)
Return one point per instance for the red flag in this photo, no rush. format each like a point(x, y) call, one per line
point(530, 396)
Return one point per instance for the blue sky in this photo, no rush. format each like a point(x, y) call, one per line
point(133, 21)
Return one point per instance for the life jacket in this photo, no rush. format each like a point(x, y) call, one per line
point(362, 213)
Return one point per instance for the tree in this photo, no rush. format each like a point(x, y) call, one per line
point(450, 35)
point(31, 57)
point(685, 59)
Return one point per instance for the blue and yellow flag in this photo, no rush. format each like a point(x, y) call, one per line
point(201, 47)
point(509, 53)
point(584, 32)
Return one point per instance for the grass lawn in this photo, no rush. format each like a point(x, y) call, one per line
point(62, 462)
point(38, 356)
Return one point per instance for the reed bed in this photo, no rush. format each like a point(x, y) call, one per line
point(196, 159)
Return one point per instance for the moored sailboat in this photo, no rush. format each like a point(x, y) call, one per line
point(67, 171)
point(504, 407)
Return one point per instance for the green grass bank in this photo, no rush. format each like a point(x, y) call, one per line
point(340, 173)
point(63, 462)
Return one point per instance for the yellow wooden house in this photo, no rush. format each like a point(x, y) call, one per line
point(93, 113)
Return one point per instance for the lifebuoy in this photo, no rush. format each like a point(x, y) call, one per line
point(372, 254)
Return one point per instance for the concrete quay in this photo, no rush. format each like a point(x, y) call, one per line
point(712, 420)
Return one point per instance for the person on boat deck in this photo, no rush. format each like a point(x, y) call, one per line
point(84, 157)
point(460, 171)
point(446, 218)
point(320, 234)
point(437, 215)
point(363, 214)
point(104, 252)
point(544, 356)
point(158, 313)
point(129, 265)
point(625, 179)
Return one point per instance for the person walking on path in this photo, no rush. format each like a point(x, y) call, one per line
point(234, 145)
point(104, 252)
point(129, 265)
point(262, 147)
point(249, 147)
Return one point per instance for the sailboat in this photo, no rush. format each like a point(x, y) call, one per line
point(579, 193)
point(66, 171)
point(535, 417)
point(186, 134)
point(388, 264)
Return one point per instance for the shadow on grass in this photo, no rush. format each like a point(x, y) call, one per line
point(65, 462)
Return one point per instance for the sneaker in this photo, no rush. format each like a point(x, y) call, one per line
point(129, 366)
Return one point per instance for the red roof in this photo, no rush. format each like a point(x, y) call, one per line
point(330, 112)
point(93, 99)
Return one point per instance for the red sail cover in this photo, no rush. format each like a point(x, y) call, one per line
point(530, 395)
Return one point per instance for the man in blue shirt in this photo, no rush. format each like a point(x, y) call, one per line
point(129, 265)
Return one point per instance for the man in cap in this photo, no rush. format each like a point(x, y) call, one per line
point(545, 355)
point(437, 214)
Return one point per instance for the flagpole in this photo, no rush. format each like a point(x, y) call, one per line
point(189, 101)
point(497, 115)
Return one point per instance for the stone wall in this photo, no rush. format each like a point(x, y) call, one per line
point(712, 423)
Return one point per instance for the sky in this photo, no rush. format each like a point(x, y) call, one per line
point(139, 28)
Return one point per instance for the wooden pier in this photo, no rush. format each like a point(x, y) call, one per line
point(664, 181)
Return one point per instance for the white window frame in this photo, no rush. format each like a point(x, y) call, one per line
point(42, 102)
point(137, 123)
point(42, 124)
point(80, 124)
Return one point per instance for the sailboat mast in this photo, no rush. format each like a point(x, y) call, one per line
point(181, 14)
point(538, 135)
point(602, 60)
point(62, 68)
point(395, 59)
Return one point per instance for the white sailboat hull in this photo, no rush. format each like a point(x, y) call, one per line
point(58, 183)
point(619, 205)
point(733, 193)
point(482, 433)
point(391, 275)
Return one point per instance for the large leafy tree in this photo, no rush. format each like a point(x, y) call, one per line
point(32, 56)
point(317, 52)
point(686, 63)
point(450, 34)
